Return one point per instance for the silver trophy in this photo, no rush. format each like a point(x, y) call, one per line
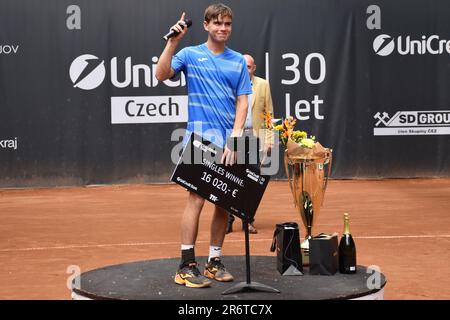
point(308, 171)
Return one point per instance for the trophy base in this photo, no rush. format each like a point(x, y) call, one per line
point(304, 249)
point(305, 256)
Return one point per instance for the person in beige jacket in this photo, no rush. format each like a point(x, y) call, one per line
point(260, 101)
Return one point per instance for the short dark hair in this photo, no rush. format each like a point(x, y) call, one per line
point(216, 10)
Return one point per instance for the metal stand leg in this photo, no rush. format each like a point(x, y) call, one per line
point(248, 285)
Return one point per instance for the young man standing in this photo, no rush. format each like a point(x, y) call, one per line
point(218, 85)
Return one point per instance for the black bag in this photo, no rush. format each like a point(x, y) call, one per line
point(323, 254)
point(286, 240)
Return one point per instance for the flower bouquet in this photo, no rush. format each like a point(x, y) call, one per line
point(297, 143)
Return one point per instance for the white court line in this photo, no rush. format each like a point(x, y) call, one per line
point(402, 237)
point(136, 244)
point(81, 246)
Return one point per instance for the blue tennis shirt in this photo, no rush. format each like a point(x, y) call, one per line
point(214, 82)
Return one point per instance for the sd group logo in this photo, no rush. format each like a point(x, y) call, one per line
point(435, 122)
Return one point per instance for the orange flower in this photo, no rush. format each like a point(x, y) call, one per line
point(268, 120)
point(289, 125)
point(287, 133)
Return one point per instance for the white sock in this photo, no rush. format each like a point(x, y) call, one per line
point(214, 252)
point(187, 246)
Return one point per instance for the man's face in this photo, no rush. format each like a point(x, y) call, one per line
point(251, 67)
point(219, 29)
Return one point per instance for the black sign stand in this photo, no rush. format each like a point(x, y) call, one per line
point(248, 285)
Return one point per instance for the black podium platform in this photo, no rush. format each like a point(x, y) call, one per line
point(154, 279)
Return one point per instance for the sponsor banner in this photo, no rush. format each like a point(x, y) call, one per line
point(153, 109)
point(359, 60)
point(433, 122)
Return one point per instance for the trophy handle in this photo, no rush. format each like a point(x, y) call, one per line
point(328, 161)
point(288, 174)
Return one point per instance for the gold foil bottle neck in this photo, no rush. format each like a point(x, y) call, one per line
point(346, 224)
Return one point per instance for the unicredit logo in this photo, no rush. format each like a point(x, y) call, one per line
point(87, 72)
point(384, 45)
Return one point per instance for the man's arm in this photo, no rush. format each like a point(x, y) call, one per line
point(164, 69)
point(229, 157)
point(241, 115)
point(268, 107)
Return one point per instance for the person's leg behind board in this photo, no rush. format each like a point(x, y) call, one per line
point(188, 273)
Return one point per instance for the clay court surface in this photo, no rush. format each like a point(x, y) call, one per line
point(402, 226)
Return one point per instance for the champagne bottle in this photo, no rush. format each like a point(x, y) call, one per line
point(347, 250)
